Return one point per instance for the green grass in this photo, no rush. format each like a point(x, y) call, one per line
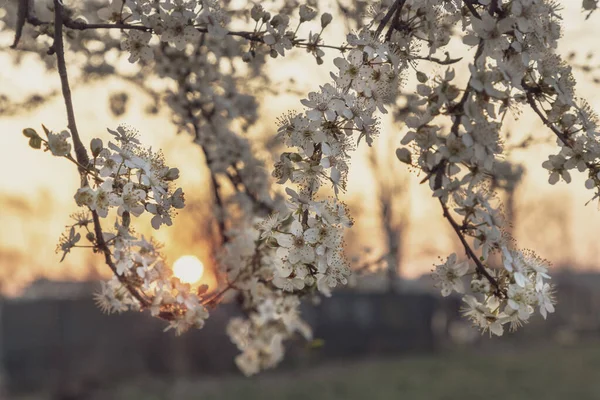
point(548, 373)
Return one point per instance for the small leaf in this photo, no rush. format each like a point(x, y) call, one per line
point(35, 142)
point(127, 219)
point(316, 343)
point(46, 130)
point(30, 132)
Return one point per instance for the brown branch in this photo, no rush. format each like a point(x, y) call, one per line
point(387, 17)
point(438, 171)
point(80, 151)
point(530, 94)
point(248, 35)
point(82, 26)
point(447, 61)
point(458, 108)
point(213, 179)
point(102, 246)
point(470, 253)
point(58, 49)
point(469, 4)
point(22, 13)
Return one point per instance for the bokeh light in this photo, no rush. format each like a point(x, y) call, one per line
point(189, 269)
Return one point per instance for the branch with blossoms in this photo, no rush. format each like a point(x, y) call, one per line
point(183, 26)
point(275, 250)
point(459, 166)
point(134, 180)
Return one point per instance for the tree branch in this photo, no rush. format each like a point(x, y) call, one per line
point(58, 49)
point(470, 253)
point(80, 151)
point(387, 17)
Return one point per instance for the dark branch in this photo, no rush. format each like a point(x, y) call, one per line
point(80, 151)
point(470, 253)
point(387, 17)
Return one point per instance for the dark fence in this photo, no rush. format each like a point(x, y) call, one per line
point(49, 343)
point(52, 344)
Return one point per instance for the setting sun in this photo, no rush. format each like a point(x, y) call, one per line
point(189, 269)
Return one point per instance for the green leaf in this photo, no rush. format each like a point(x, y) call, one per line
point(316, 343)
point(35, 142)
point(404, 155)
point(46, 130)
point(30, 132)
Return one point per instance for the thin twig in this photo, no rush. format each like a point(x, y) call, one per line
point(80, 151)
point(58, 49)
point(248, 35)
point(470, 253)
point(472, 9)
point(387, 17)
point(447, 61)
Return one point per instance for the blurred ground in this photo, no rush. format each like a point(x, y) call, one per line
point(546, 372)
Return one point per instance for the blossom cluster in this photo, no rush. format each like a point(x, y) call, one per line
point(304, 245)
point(458, 161)
point(182, 24)
point(132, 180)
point(176, 22)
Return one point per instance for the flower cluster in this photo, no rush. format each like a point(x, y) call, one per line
point(182, 24)
point(133, 180)
point(458, 162)
point(301, 248)
point(178, 23)
point(260, 337)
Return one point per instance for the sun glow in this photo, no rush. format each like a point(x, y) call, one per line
point(189, 269)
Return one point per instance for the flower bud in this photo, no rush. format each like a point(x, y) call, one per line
point(276, 21)
point(421, 77)
point(404, 155)
point(326, 19)
point(30, 132)
point(96, 146)
point(589, 5)
point(247, 57)
point(307, 13)
point(172, 174)
point(257, 12)
point(295, 157)
point(90, 236)
point(126, 219)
